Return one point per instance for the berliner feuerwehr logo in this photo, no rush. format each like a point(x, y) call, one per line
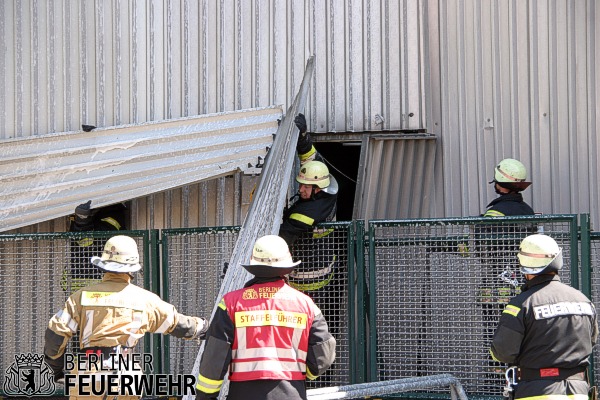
point(29, 376)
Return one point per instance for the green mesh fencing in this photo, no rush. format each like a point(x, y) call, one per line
point(194, 260)
point(438, 287)
point(38, 272)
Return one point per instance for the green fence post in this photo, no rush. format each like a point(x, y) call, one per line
point(357, 332)
point(586, 270)
point(152, 281)
point(371, 307)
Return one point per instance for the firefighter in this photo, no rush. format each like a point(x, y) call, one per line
point(317, 192)
point(268, 336)
point(548, 330)
point(317, 198)
point(86, 219)
point(499, 280)
point(111, 316)
point(510, 179)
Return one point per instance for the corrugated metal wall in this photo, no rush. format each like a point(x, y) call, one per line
point(109, 63)
point(516, 79)
point(491, 79)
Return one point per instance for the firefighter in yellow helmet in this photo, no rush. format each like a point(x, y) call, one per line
point(269, 336)
point(320, 274)
point(510, 179)
point(111, 316)
point(548, 330)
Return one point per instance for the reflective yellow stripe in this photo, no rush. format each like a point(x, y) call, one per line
point(302, 218)
point(222, 305)
point(286, 319)
point(512, 310)
point(112, 222)
point(306, 156)
point(310, 376)
point(208, 385)
point(493, 213)
point(493, 356)
point(85, 242)
point(556, 397)
point(311, 286)
point(320, 233)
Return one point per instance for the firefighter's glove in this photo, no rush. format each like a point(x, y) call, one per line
point(84, 210)
point(56, 366)
point(83, 220)
point(224, 272)
point(300, 122)
point(201, 328)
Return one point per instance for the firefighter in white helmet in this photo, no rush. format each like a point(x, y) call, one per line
point(111, 316)
point(269, 336)
point(510, 179)
point(548, 330)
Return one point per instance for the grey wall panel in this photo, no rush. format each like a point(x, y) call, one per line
point(516, 79)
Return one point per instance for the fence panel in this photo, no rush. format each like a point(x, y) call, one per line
point(38, 272)
point(438, 287)
point(194, 261)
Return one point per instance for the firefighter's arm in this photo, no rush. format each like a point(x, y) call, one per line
point(61, 327)
point(297, 220)
point(304, 147)
point(216, 356)
point(594, 326)
point(168, 321)
point(509, 335)
point(321, 348)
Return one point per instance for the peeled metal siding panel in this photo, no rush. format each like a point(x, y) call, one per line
point(41, 178)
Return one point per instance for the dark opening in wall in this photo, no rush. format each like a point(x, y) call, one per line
point(342, 160)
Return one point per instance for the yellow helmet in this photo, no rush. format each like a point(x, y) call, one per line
point(511, 173)
point(539, 253)
point(314, 173)
point(270, 258)
point(120, 255)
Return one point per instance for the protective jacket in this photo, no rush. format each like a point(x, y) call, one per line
point(508, 204)
point(303, 215)
point(111, 313)
point(548, 332)
point(270, 337)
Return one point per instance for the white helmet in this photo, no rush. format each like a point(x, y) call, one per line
point(511, 173)
point(539, 253)
point(120, 255)
point(270, 258)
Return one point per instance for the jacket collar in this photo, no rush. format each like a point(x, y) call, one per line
point(541, 279)
point(517, 197)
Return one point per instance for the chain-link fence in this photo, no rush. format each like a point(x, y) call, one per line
point(438, 287)
point(38, 272)
point(426, 303)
